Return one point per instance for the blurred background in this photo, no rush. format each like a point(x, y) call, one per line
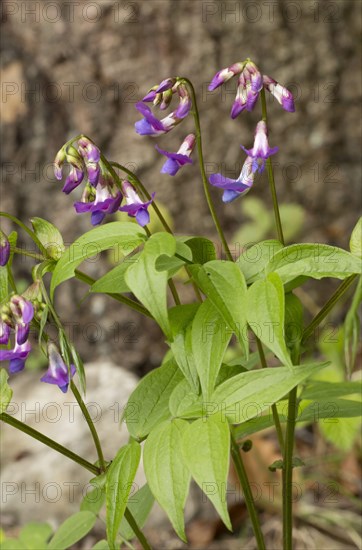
point(80, 67)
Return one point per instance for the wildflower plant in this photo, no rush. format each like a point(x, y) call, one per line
point(190, 411)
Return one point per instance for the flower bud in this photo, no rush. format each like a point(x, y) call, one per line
point(4, 249)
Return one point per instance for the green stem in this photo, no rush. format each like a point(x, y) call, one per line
point(341, 290)
point(49, 442)
point(123, 299)
point(29, 254)
point(202, 169)
point(275, 413)
point(248, 495)
point(129, 517)
point(137, 182)
point(91, 426)
point(288, 471)
point(270, 172)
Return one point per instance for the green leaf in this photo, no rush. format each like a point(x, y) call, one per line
point(150, 285)
point(93, 501)
point(355, 243)
point(253, 260)
point(12, 544)
point(34, 536)
point(120, 476)
point(148, 404)
point(265, 314)
point(172, 264)
point(203, 250)
point(206, 451)
point(140, 505)
point(181, 318)
point(225, 286)
point(322, 390)
point(101, 545)
point(246, 395)
point(210, 338)
point(72, 530)
point(123, 235)
point(114, 281)
point(6, 392)
point(352, 326)
point(313, 260)
point(184, 402)
point(166, 472)
point(293, 324)
point(49, 236)
point(309, 413)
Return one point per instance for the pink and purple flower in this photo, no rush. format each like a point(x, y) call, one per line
point(261, 150)
point(135, 207)
point(176, 160)
point(104, 199)
point(234, 188)
point(58, 372)
point(161, 95)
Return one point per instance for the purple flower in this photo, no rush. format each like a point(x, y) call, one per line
point(58, 163)
point(58, 372)
point(107, 200)
point(176, 160)
point(250, 84)
point(88, 150)
point(281, 94)
point(4, 332)
point(23, 312)
point(235, 188)
point(224, 75)
point(74, 179)
point(4, 249)
point(161, 95)
point(91, 155)
point(16, 356)
point(135, 207)
point(261, 150)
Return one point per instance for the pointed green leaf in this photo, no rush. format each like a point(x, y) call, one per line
point(124, 236)
point(114, 281)
point(184, 402)
point(210, 338)
point(313, 260)
point(166, 472)
point(253, 260)
point(35, 535)
point(148, 404)
point(355, 243)
point(150, 285)
point(203, 250)
point(120, 476)
point(181, 318)
point(140, 505)
point(246, 395)
point(206, 451)
point(49, 236)
point(6, 392)
point(265, 314)
point(72, 530)
point(225, 286)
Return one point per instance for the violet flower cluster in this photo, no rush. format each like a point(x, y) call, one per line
point(161, 96)
point(101, 195)
point(250, 84)
point(16, 317)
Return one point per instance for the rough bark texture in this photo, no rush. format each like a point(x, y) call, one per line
point(80, 67)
